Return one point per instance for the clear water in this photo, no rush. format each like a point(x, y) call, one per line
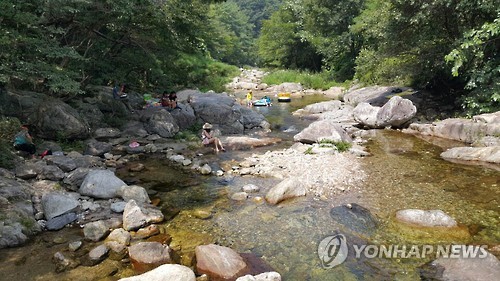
point(404, 172)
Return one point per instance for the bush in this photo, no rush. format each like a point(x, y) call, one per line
point(341, 146)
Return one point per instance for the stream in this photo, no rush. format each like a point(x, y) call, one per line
point(403, 172)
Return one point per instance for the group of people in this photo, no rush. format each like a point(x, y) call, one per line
point(265, 101)
point(169, 100)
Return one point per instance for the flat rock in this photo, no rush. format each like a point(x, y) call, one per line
point(101, 184)
point(55, 204)
point(59, 222)
point(430, 218)
point(145, 256)
point(166, 272)
point(218, 262)
point(482, 154)
point(288, 188)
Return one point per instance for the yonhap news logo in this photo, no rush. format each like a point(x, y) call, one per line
point(333, 251)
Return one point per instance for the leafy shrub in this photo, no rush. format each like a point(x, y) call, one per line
point(8, 128)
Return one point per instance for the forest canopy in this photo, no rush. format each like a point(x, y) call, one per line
point(61, 46)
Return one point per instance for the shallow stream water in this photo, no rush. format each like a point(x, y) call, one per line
point(403, 172)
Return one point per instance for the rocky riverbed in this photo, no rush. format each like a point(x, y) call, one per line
point(114, 227)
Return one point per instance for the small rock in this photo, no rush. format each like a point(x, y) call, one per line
point(146, 232)
point(98, 254)
point(205, 170)
point(95, 231)
point(239, 196)
point(166, 272)
point(250, 188)
point(186, 162)
point(119, 235)
point(219, 173)
point(75, 245)
point(118, 207)
point(145, 256)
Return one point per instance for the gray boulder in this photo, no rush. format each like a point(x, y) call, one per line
point(97, 148)
point(55, 204)
point(26, 170)
point(95, 231)
point(374, 95)
point(395, 113)
point(75, 179)
point(60, 221)
point(162, 123)
point(64, 163)
point(322, 129)
point(106, 133)
point(184, 116)
point(101, 184)
point(134, 192)
point(218, 109)
point(166, 272)
point(49, 172)
point(483, 154)
point(134, 129)
point(322, 107)
point(55, 119)
point(251, 118)
point(98, 254)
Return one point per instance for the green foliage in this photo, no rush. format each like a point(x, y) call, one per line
point(191, 134)
point(309, 150)
point(341, 146)
point(477, 60)
point(8, 129)
point(319, 81)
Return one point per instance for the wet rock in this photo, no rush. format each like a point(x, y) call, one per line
point(119, 235)
point(136, 167)
point(98, 254)
point(64, 163)
point(205, 170)
point(355, 217)
point(202, 214)
point(430, 218)
point(266, 276)
point(101, 184)
point(63, 263)
point(375, 95)
point(150, 148)
point(250, 188)
point(186, 162)
point(239, 196)
point(166, 272)
point(483, 154)
point(95, 231)
point(97, 148)
point(485, 266)
point(11, 235)
point(146, 232)
point(55, 204)
point(288, 188)
point(252, 119)
point(59, 222)
point(75, 245)
point(176, 158)
point(135, 217)
point(218, 262)
point(322, 129)
point(117, 251)
point(134, 192)
point(145, 256)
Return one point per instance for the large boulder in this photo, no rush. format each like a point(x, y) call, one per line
point(219, 263)
point(162, 123)
point(218, 109)
point(483, 154)
point(251, 118)
point(55, 119)
point(287, 87)
point(101, 184)
point(184, 116)
point(17, 221)
point(241, 142)
point(465, 130)
point(395, 113)
point(64, 163)
point(321, 130)
point(75, 178)
point(166, 272)
point(374, 95)
point(55, 204)
point(288, 188)
point(321, 107)
point(134, 192)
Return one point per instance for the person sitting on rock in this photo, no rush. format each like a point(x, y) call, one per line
point(207, 138)
point(24, 142)
point(173, 100)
